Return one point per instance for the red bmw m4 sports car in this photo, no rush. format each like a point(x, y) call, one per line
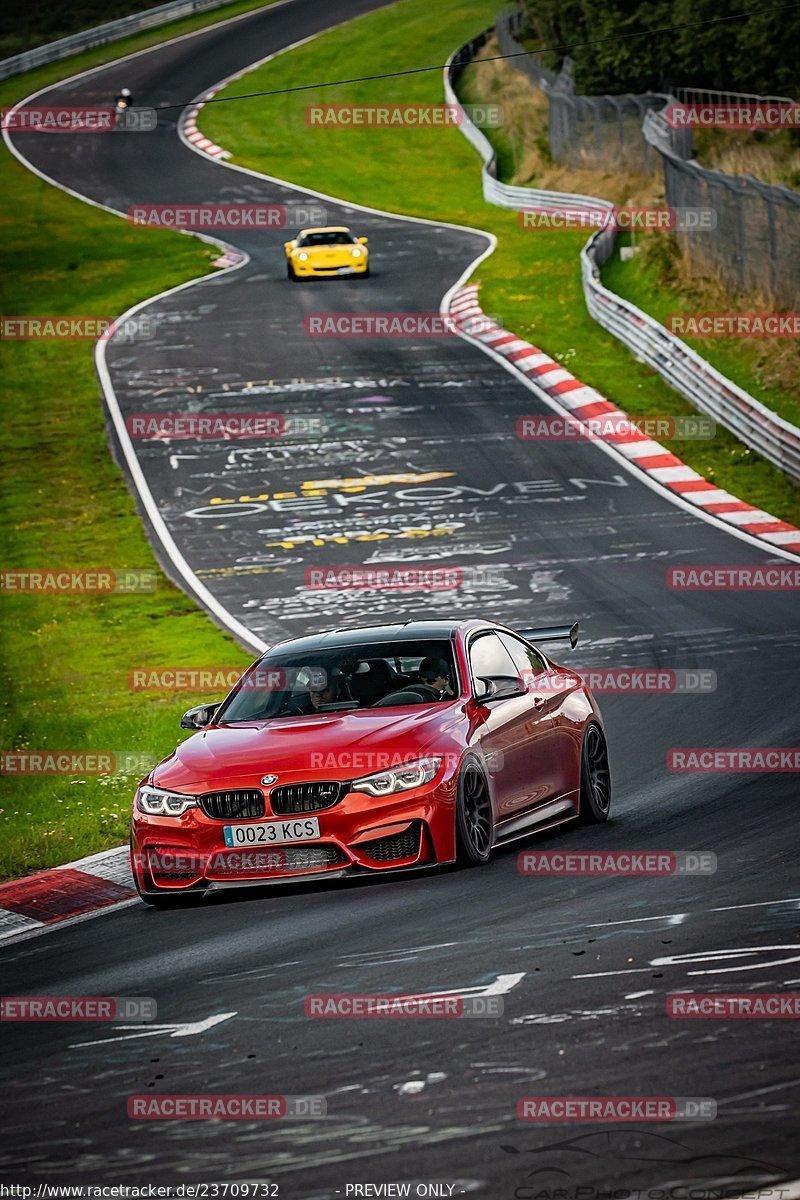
point(361, 751)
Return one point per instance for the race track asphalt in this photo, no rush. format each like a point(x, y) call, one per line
point(579, 536)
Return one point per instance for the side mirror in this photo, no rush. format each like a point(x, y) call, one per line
point(363, 241)
point(199, 717)
point(499, 687)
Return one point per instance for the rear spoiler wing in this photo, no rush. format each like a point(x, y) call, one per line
point(552, 633)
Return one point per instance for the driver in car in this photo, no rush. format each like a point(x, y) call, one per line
point(433, 676)
point(328, 693)
point(432, 682)
point(324, 687)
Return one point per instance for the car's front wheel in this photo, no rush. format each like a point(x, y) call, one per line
point(290, 271)
point(595, 801)
point(474, 820)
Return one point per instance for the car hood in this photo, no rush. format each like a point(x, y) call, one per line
point(339, 746)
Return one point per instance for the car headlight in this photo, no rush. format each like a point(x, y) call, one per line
point(159, 803)
point(356, 253)
point(302, 256)
point(400, 779)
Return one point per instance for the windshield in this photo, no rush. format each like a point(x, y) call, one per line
point(328, 237)
point(376, 675)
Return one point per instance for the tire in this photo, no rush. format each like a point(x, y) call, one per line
point(474, 819)
point(366, 274)
point(290, 272)
point(595, 795)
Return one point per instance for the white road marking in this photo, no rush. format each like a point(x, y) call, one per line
point(702, 956)
point(783, 1191)
point(674, 960)
point(187, 1029)
point(501, 986)
point(677, 918)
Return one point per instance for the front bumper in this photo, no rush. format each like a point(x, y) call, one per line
point(361, 835)
point(343, 269)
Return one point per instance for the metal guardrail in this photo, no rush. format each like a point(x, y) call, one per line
point(111, 31)
point(682, 368)
point(582, 130)
point(505, 195)
point(756, 242)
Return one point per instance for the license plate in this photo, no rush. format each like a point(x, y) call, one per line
point(346, 270)
point(271, 833)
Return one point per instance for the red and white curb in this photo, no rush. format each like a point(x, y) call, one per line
point(580, 402)
point(66, 894)
point(187, 122)
point(188, 127)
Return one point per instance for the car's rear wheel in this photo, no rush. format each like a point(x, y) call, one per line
point(595, 801)
point(474, 821)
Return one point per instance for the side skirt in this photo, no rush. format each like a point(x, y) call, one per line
point(556, 813)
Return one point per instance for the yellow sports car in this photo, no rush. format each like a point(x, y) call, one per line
point(328, 251)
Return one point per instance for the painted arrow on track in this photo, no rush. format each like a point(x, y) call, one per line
point(186, 1029)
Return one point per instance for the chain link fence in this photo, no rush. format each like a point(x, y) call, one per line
point(756, 243)
point(707, 389)
point(584, 131)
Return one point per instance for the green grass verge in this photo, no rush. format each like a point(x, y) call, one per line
point(532, 281)
point(643, 281)
point(66, 658)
